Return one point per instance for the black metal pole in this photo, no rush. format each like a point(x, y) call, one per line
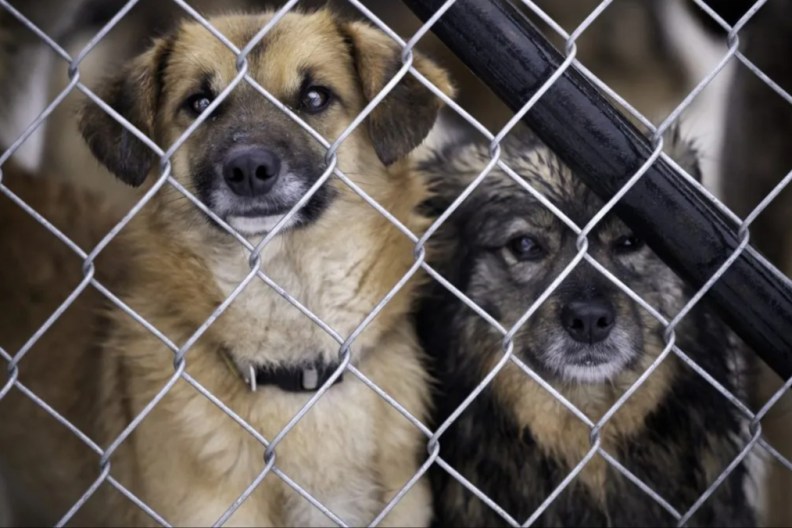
point(501, 46)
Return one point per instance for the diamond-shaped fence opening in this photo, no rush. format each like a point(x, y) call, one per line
point(581, 101)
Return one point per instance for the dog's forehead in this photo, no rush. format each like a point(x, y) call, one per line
point(295, 44)
point(546, 173)
point(502, 197)
point(535, 167)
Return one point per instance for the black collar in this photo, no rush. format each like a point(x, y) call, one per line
point(306, 377)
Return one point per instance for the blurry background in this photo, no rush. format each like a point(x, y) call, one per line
point(651, 52)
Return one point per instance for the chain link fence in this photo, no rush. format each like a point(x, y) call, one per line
point(15, 359)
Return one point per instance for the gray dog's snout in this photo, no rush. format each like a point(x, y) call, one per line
point(588, 321)
point(251, 171)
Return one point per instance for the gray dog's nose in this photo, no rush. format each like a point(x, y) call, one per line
point(251, 171)
point(588, 321)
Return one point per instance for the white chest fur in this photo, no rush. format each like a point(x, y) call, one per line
point(334, 452)
point(262, 325)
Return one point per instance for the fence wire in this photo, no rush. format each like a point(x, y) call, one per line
point(269, 446)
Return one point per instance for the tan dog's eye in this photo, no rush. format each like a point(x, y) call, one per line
point(198, 103)
point(315, 99)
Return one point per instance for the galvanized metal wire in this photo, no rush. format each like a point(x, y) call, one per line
point(434, 438)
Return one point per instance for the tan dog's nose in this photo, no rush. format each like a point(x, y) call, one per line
point(251, 171)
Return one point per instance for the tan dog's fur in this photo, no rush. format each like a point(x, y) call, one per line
point(187, 459)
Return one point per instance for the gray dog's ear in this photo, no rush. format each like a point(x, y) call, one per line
point(403, 119)
point(134, 94)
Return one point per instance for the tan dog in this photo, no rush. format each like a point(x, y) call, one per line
point(249, 164)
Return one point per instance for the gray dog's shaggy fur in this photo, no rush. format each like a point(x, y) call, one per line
point(516, 442)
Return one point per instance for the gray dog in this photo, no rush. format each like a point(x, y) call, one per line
point(589, 340)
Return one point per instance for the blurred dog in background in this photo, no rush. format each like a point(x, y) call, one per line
point(755, 158)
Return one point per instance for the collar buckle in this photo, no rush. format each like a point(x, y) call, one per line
point(310, 378)
point(292, 379)
point(251, 379)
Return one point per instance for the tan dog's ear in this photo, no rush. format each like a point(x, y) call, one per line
point(134, 94)
point(404, 118)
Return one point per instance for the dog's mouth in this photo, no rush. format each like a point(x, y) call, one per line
point(252, 226)
point(595, 365)
point(260, 221)
point(589, 363)
point(257, 216)
point(252, 188)
point(590, 355)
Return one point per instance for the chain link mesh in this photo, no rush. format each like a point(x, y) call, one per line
point(14, 358)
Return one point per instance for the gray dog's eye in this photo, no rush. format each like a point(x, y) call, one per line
point(198, 103)
point(315, 99)
point(627, 244)
point(526, 248)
